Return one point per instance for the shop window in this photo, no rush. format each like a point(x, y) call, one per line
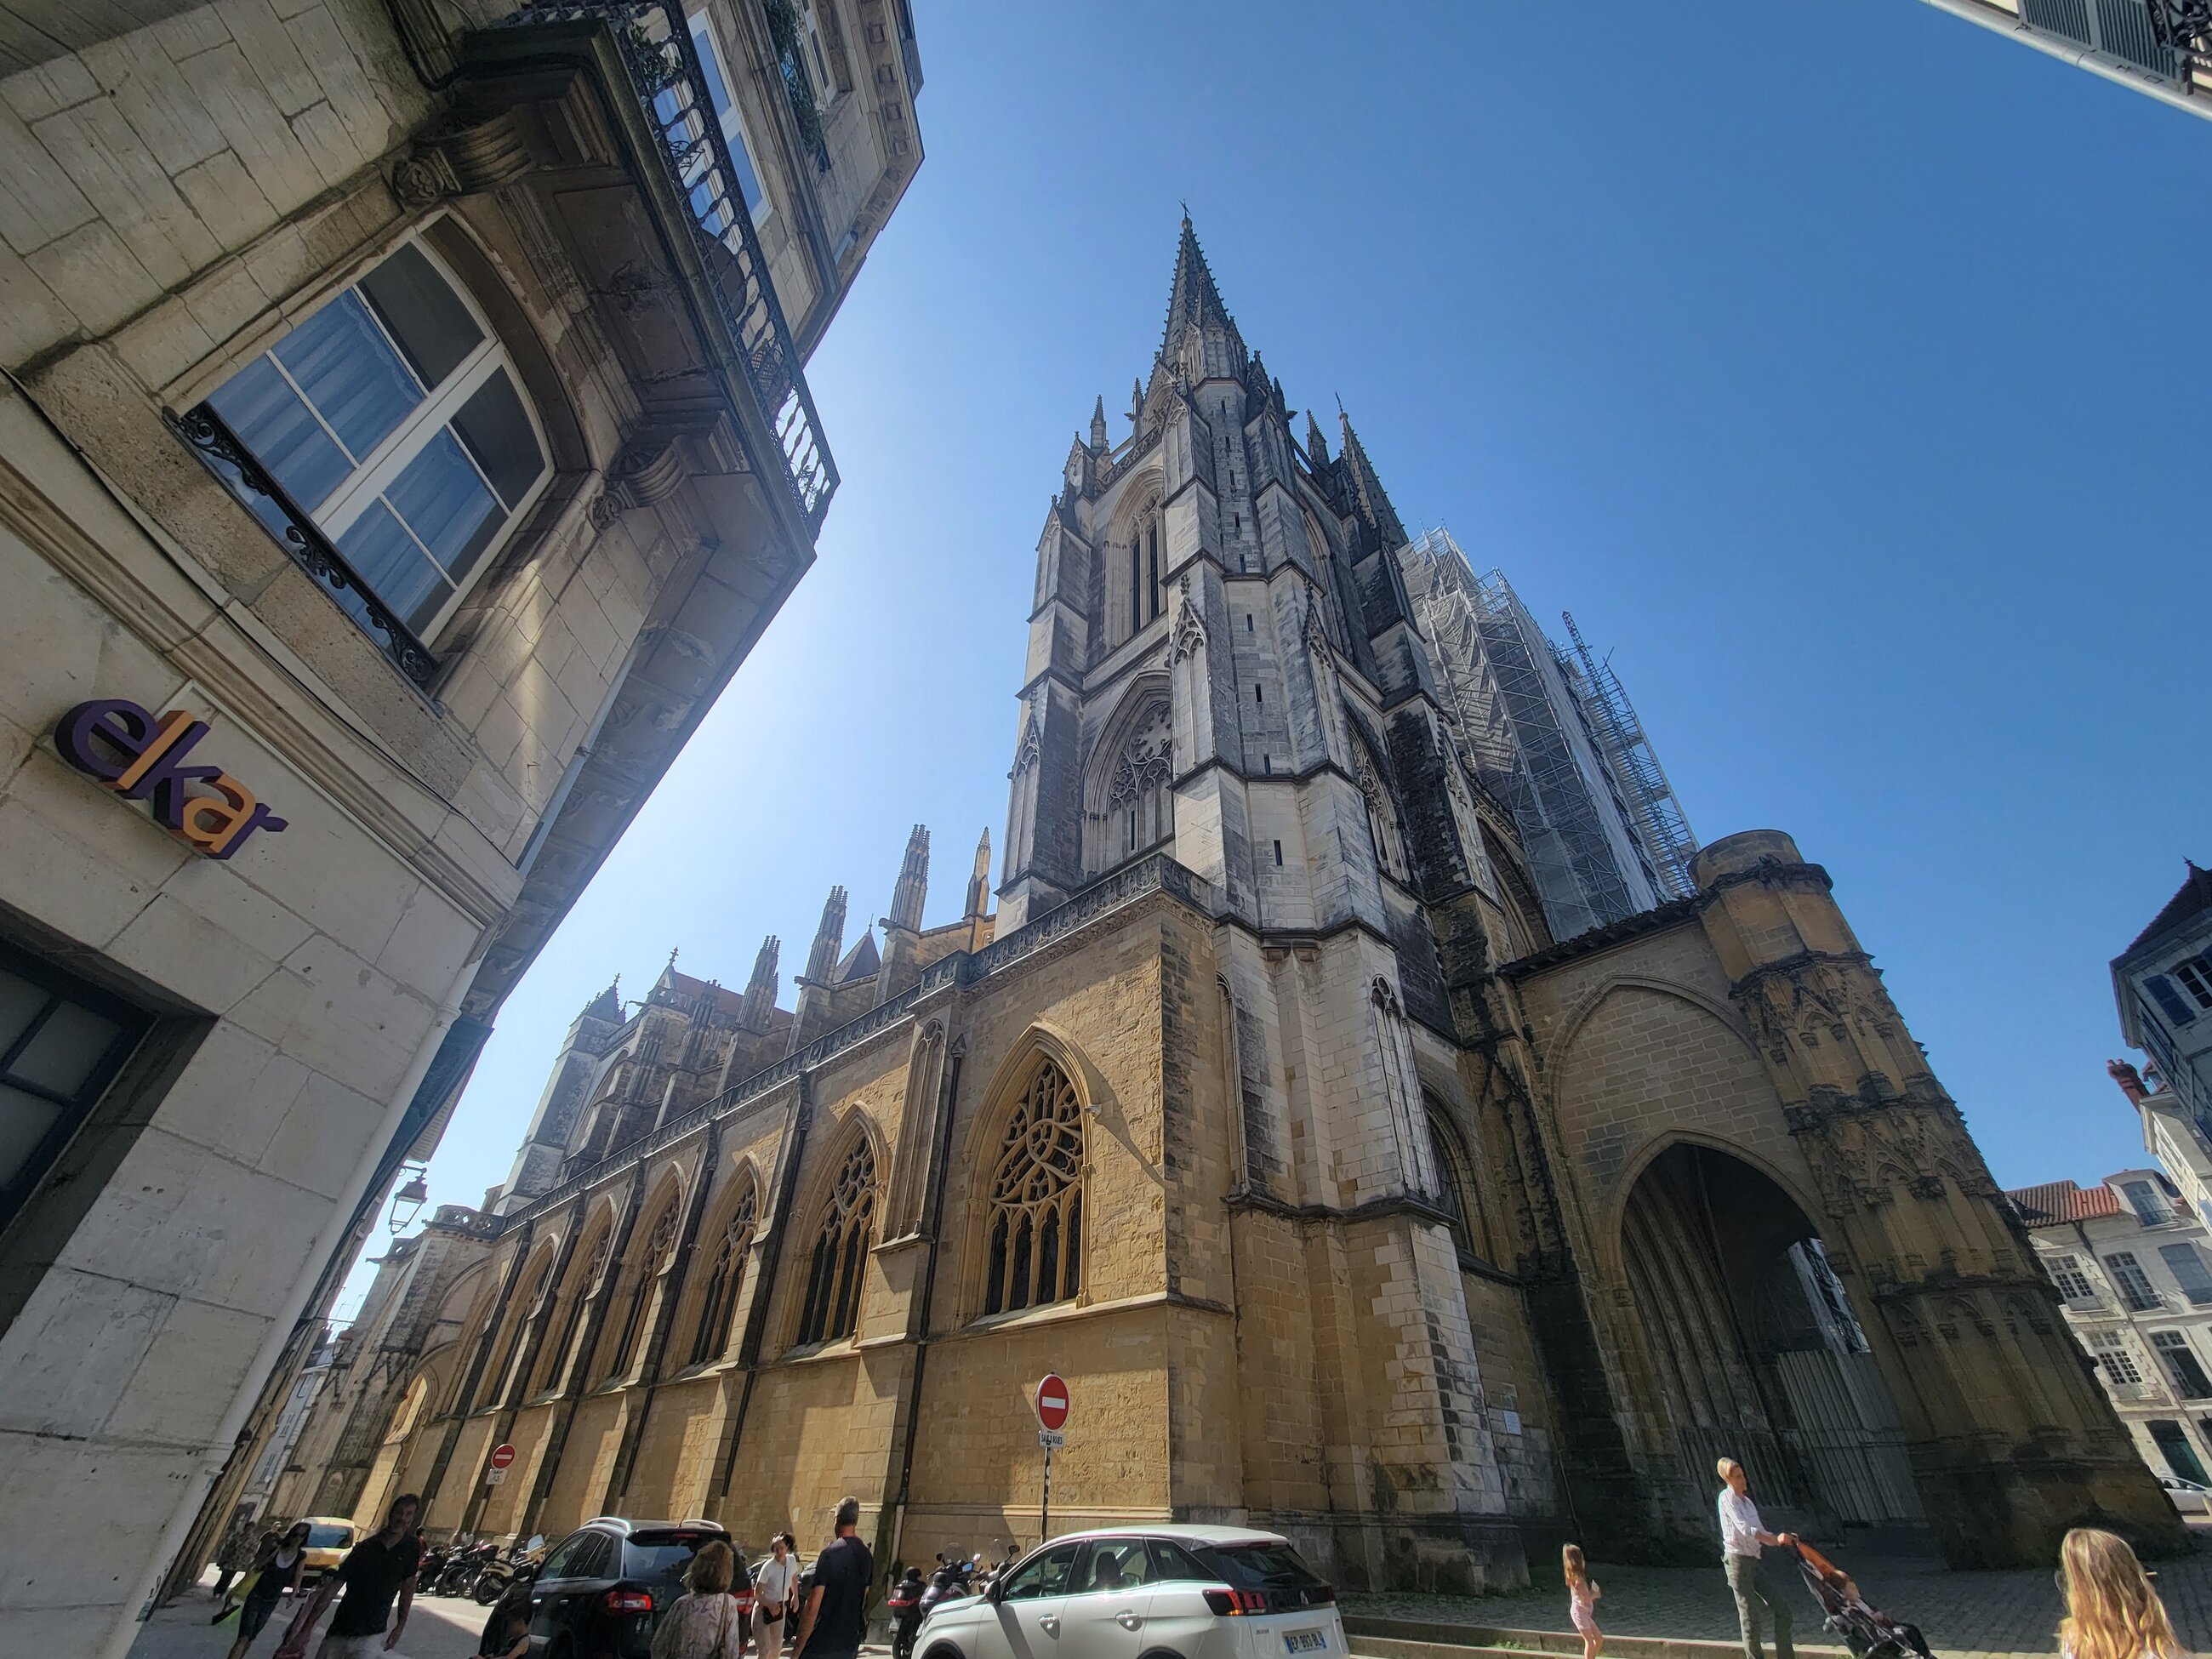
point(61, 1044)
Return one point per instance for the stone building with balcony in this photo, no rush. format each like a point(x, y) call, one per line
point(404, 438)
point(2161, 48)
point(1265, 1109)
point(2132, 1262)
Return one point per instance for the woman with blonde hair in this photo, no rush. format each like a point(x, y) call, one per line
point(704, 1625)
point(2112, 1611)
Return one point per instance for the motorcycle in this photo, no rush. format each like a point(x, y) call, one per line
point(954, 1578)
point(462, 1567)
point(495, 1575)
point(906, 1612)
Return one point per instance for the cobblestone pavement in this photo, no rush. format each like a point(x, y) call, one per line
point(1986, 1614)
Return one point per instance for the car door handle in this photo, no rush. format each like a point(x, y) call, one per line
point(1127, 1619)
point(1050, 1624)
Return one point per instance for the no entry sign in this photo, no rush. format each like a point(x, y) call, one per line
point(1052, 1401)
point(501, 1456)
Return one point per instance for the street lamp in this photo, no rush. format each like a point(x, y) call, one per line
point(407, 1203)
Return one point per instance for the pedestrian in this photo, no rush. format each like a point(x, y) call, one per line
point(506, 1635)
point(234, 1555)
point(1583, 1594)
point(836, 1616)
point(375, 1571)
point(704, 1625)
point(772, 1592)
point(1742, 1537)
point(2112, 1611)
point(235, 1596)
point(277, 1570)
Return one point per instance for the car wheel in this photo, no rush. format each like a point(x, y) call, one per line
point(943, 1650)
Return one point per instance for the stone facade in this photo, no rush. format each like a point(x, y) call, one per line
point(1266, 1110)
point(580, 413)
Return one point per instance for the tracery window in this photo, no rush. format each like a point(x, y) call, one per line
point(840, 1251)
point(579, 1292)
point(718, 1306)
point(1036, 1253)
point(499, 1383)
point(1137, 798)
point(660, 1244)
point(1146, 598)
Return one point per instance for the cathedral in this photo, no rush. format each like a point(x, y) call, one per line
point(1273, 1105)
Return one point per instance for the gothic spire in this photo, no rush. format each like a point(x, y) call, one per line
point(1366, 487)
point(1098, 426)
point(606, 1005)
point(760, 990)
point(828, 939)
point(1317, 446)
point(1193, 302)
point(912, 883)
point(979, 884)
point(1136, 404)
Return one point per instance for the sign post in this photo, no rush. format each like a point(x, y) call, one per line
point(501, 1456)
point(1051, 1403)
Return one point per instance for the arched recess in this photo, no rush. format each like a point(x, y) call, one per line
point(1128, 803)
point(534, 1290)
point(1386, 831)
point(1754, 1350)
point(1527, 931)
point(586, 1268)
point(840, 1231)
point(385, 1469)
point(1462, 1190)
point(651, 1254)
point(1134, 558)
point(730, 1251)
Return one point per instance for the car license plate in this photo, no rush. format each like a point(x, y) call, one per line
point(1305, 1641)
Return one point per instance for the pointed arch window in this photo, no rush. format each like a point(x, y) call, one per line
point(1146, 596)
point(1455, 1172)
point(499, 1380)
point(644, 1273)
point(1035, 1251)
point(549, 1374)
point(725, 1280)
point(840, 1251)
point(1137, 796)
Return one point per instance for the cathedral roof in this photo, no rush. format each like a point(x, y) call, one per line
point(1192, 299)
point(2192, 899)
point(2057, 1201)
point(859, 962)
point(683, 985)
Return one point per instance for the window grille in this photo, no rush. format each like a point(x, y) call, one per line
point(840, 1251)
point(2148, 1203)
point(724, 1281)
point(2182, 1365)
point(2110, 1349)
point(660, 1244)
point(2187, 1265)
point(2135, 1285)
point(1036, 1253)
point(2073, 1284)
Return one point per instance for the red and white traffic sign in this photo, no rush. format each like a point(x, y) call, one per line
point(502, 1455)
point(1052, 1401)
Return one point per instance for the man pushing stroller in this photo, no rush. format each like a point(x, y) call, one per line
point(1867, 1631)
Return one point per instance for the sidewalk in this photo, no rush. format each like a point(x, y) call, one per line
point(1987, 1615)
point(441, 1628)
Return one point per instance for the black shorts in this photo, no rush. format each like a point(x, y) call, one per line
point(254, 1614)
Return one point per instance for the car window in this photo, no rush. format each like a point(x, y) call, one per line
point(597, 1560)
point(657, 1558)
point(1044, 1574)
point(1263, 1567)
point(329, 1538)
point(1116, 1564)
point(1172, 1564)
point(556, 1564)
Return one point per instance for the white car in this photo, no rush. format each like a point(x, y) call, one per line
point(1162, 1592)
point(2187, 1496)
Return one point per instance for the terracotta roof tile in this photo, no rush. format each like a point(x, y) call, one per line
point(2057, 1201)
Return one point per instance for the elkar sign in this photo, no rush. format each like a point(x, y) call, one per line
point(142, 758)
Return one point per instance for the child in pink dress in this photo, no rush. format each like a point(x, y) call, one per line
point(1582, 1600)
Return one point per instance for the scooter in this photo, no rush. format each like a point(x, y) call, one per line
point(462, 1567)
point(906, 1611)
point(953, 1579)
point(493, 1577)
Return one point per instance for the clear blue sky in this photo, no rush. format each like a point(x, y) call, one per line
point(1836, 364)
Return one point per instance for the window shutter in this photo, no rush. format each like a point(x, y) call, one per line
point(2168, 998)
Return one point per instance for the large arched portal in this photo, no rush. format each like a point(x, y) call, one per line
point(1756, 1352)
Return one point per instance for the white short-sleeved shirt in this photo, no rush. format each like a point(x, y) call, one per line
point(1740, 1526)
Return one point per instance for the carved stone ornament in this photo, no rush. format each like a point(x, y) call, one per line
point(1189, 637)
point(423, 177)
point(1147, 760)
point(1027, 751)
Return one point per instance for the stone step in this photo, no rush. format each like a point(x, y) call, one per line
point(1411, 1638)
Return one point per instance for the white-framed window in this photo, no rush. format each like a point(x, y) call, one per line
point(2073, 1284)
point(2148, 1203)
point(392, 416)
point(2134, 1283)
point(2187, 1265)
point(2181, 1365)
point(2110, 1349)
point(818, 53)
point(716, 68)
point(2196, 977)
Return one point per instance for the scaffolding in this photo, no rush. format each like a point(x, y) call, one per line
point(1656, 818)
point(1519, 725)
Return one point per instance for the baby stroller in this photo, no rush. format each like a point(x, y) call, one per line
point(1868, 1632)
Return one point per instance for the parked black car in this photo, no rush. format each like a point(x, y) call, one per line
point(604, 1587)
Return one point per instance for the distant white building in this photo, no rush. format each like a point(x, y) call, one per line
point(2163, 985)
point(2134, 1263)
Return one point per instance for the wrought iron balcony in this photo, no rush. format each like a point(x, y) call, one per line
point(2138, 33)
point(654, 41)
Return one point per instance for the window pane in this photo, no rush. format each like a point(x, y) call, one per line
point(20, 1002)
point(443, 500)
point(726, 108)
point(269, 419)
point(350, 373)
point(493, 425)
point(67, 1050)
point(424, 314)
point(25, 1121)
point(385, 556)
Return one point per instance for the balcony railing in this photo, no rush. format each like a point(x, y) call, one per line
point(664, 74)
point(2133, 31)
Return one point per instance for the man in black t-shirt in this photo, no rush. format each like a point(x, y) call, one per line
point(836, 1616)
point(375, 1571)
